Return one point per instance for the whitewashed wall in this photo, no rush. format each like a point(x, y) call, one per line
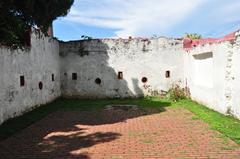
point(212, 73)
point(136, 58)
point(235, 100)
point(36, 65)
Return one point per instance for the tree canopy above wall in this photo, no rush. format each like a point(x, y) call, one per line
point(193, 36)
point(18, 16)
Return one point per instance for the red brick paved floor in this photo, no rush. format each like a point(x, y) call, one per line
point(118, 134)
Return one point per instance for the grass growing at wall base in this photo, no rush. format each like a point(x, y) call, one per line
point(228, 126)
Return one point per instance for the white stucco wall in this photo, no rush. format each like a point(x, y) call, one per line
point(214, 81)
point(37, 64)
point(210, 71)
point(136, 58)
point(235, 109)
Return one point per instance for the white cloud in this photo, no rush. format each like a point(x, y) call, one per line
point(132, 17)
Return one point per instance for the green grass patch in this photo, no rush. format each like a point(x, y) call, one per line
point(195, 118)
point(228, 126)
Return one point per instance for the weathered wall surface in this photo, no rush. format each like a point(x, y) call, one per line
point(135, 58)
point(235, 97)
point(36, 65)
point(211, 72)
point(118, 68)
point(204, 73)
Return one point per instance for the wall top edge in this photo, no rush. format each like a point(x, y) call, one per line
point(121, 39)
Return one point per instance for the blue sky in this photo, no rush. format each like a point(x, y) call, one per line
point(145, 18)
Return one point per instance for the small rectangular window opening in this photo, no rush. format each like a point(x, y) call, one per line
point(120, 75)
point(22, 81)
point(53, 79)
point(168, 74)
point(74, 76)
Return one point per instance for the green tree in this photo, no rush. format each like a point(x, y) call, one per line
point(18, 16)
point(193, 36)
point(85, 37)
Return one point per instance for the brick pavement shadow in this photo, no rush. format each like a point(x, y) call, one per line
point(54, 137)
point(117, 114)
point(74, 132)
point(70, 133)
point(73, 144)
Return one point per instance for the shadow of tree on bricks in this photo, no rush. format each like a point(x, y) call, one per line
point(55, 137)
point(73, 143)
point(73, 133)
point(70, 133)
point(113, 115)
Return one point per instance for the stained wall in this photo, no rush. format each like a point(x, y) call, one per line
point(23, 72)
point(212, 74)
point(147, 67)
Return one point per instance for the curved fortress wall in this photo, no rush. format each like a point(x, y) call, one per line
point(29, 78)
point(120, 68)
